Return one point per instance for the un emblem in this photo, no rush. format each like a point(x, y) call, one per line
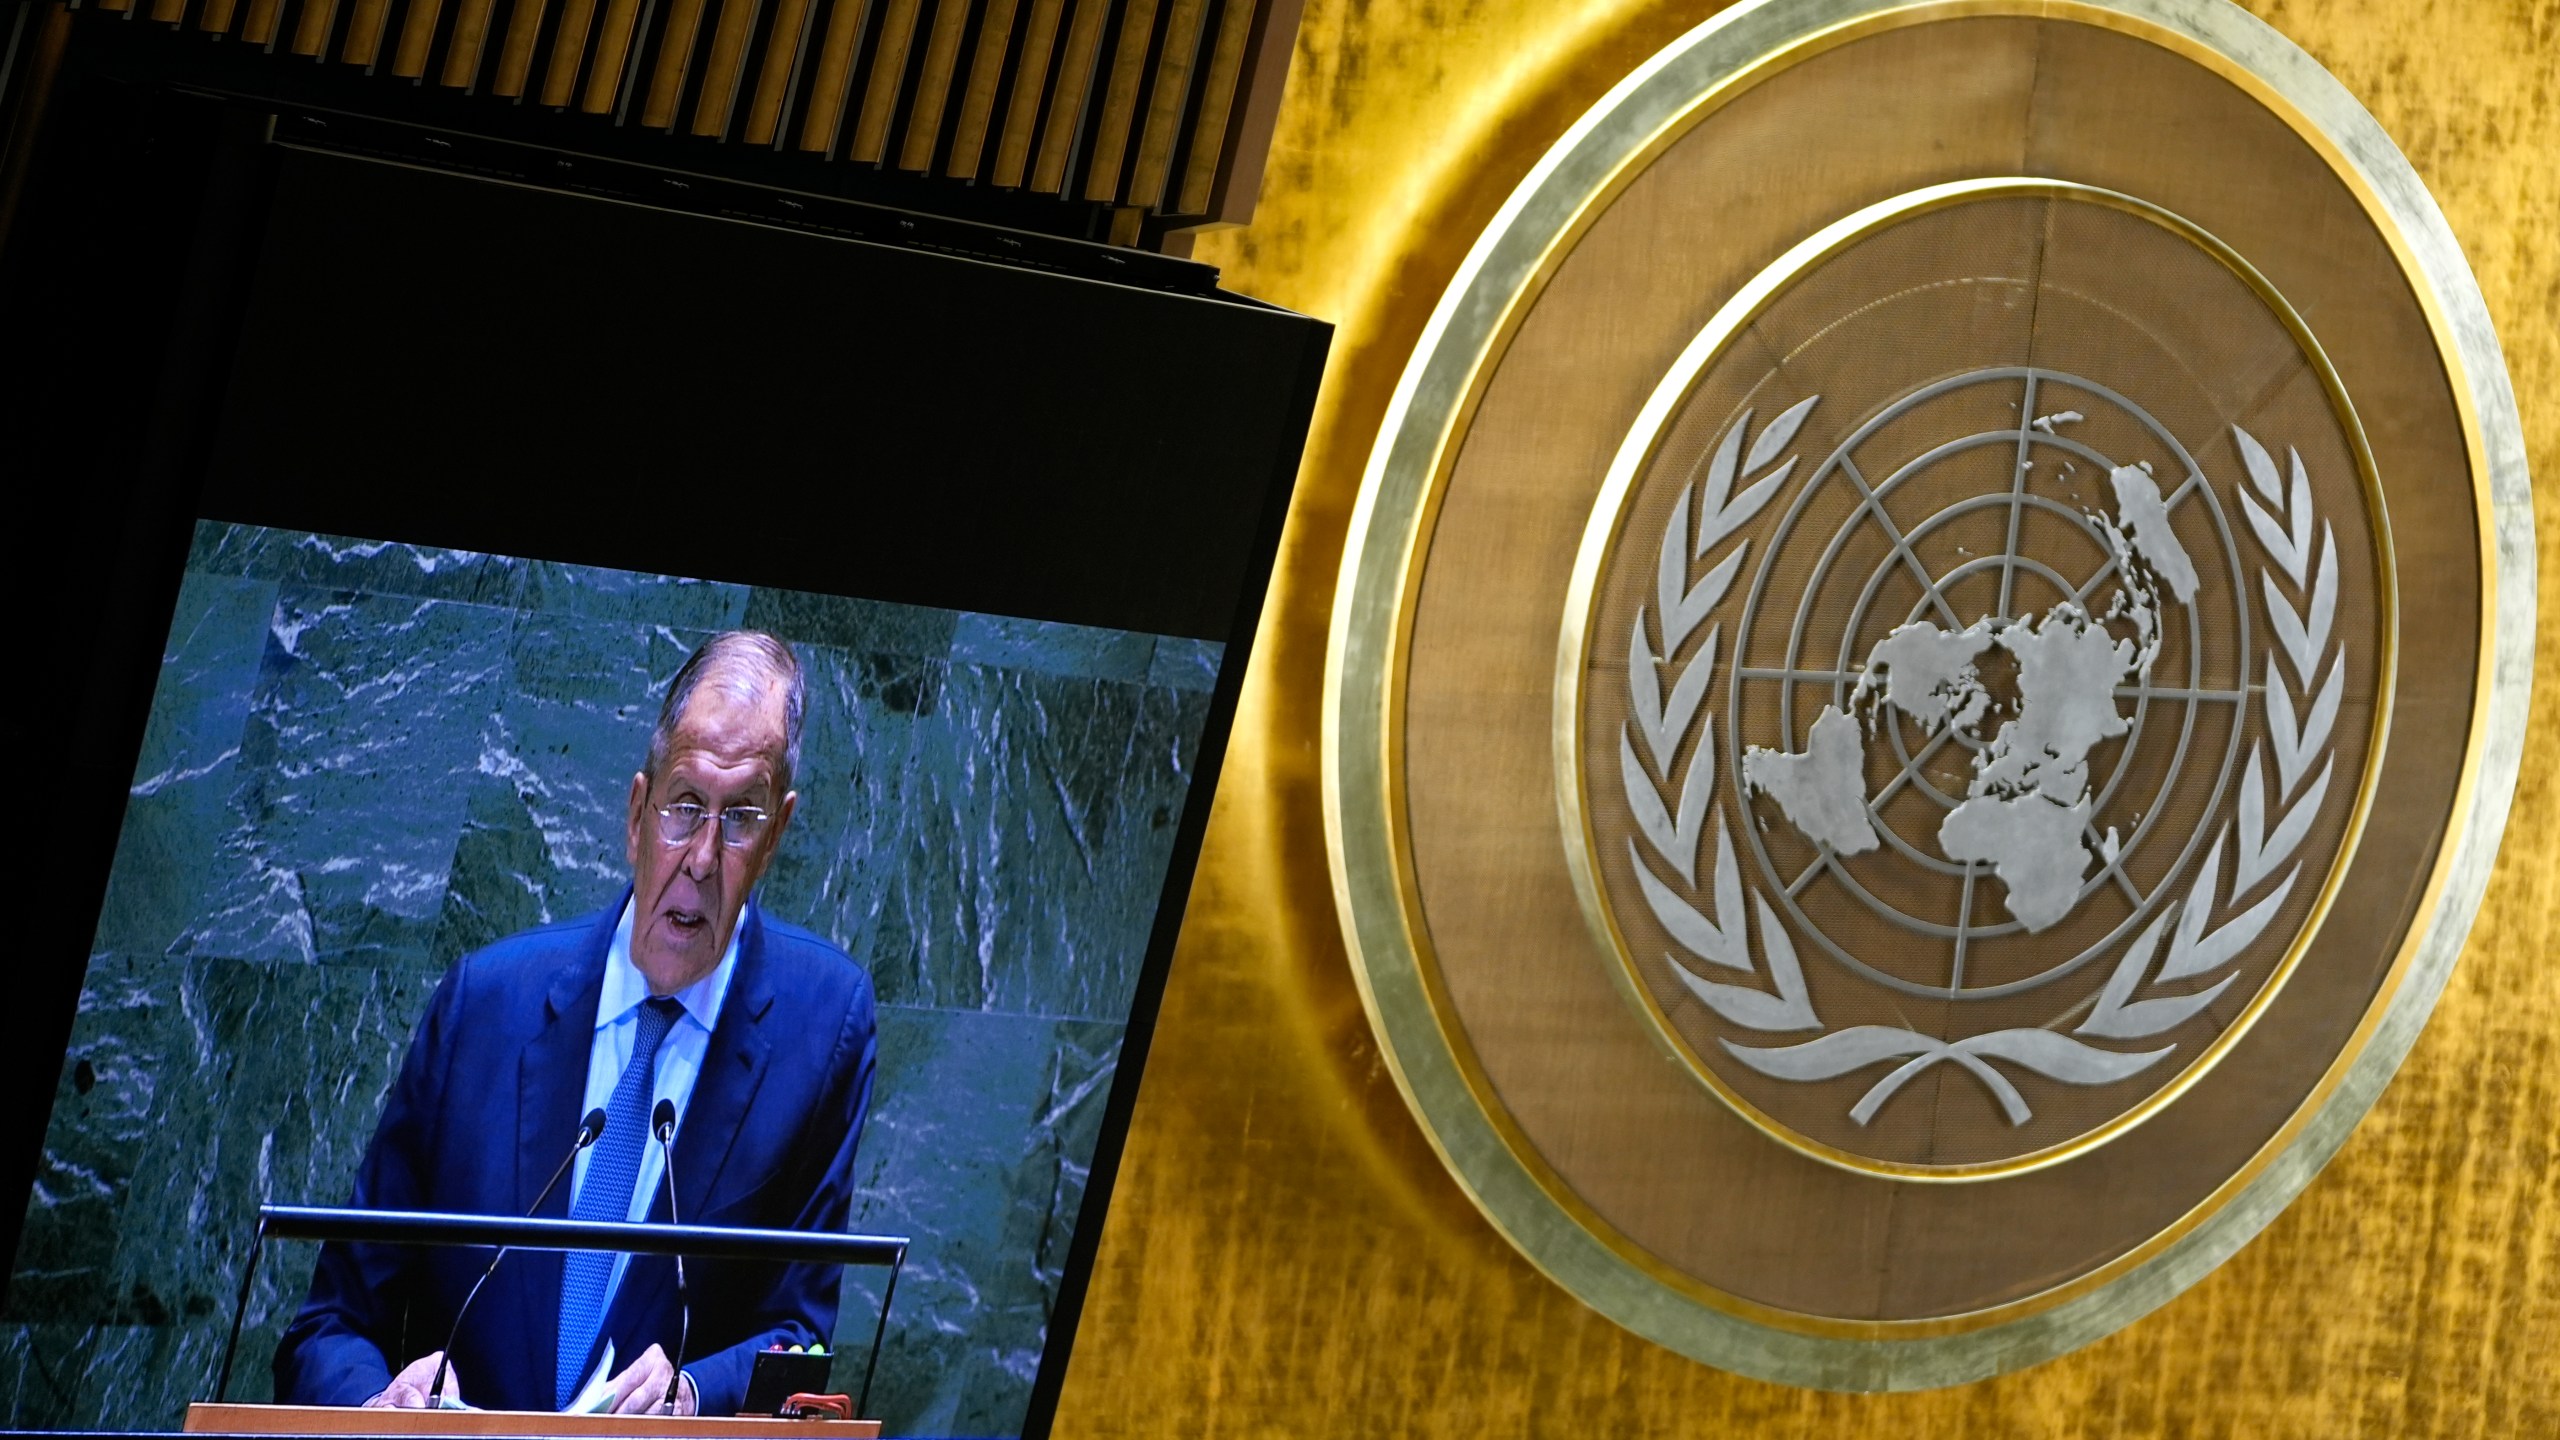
point(1926, 676)
point(2024, 749)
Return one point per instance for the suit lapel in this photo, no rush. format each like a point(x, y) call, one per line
point(551, 1085)
point(732, 1069)
point(551, 1082)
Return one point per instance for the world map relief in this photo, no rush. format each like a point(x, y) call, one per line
point(2027, 810)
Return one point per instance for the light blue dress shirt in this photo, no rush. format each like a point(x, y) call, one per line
point(680, 1057)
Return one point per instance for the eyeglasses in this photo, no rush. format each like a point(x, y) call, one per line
point(739, 824)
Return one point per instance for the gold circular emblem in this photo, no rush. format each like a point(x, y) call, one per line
point(1927, 675)
point(1976, 732)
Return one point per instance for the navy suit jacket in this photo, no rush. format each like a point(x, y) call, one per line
point(489, 1101)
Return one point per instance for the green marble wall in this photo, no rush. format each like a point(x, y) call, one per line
point(364, 760)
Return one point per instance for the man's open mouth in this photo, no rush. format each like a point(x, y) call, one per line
point(687, 922)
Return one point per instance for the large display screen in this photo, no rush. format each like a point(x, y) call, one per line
point(454, 558)
point(367, 760)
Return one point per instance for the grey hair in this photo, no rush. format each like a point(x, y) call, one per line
point(745, 662)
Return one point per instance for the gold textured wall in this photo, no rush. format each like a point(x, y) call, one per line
point(1286, 1255)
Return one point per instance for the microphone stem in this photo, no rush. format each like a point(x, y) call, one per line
point(444, 1360)
point(684, 1302)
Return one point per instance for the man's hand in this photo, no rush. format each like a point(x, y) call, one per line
point(408, 1389)
point(642, 1389)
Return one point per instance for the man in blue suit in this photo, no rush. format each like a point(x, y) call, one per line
point(759, 1033)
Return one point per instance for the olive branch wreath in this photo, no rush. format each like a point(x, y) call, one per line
point(1665, 720)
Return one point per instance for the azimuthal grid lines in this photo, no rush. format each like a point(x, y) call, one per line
point(1905, 915)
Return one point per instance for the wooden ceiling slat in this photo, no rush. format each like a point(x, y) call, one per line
point(1172, 87)
point(725, 67)
point(311, 35)
point(1067, 96)
point(609, 72)
point(462, 52)
point(1217, 101)
point(675, 57)
point(515, 52)
point(417, 37)
point(258, 27)
point(888, 72)
point(834, 81)
point(366, 23)
point(1120, 101)
point(568, 48)
point(783, 46)
point(978, 96)
point(933, 84)
point(1022, 113)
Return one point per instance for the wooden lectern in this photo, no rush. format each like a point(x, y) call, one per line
point(205, 1418)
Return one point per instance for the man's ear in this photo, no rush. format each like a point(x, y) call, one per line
point(631, 827)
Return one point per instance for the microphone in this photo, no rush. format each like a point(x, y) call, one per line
point(662, 1123)
point(589, 1131)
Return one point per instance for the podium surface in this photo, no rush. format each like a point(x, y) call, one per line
point(211, 1419)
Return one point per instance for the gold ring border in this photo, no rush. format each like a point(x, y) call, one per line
point(1599, 548)
point(1392, 965)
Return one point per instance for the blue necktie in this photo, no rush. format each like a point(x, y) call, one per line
point(605, 1194)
